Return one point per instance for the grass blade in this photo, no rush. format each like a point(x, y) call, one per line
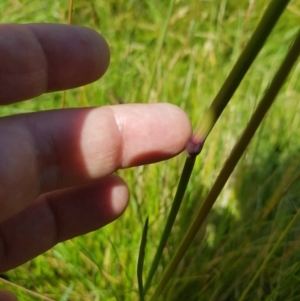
point(67, 293)
point(267, 258)
point(64, 93)
point(231, 162)
point(25, 290)
point(160, 45)
point(71, 4)
point(140, 265)
point(184, 179)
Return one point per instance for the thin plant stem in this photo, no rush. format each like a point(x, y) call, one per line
point(231, 162)
point(25, 290)
point(278, 194)
point(195, 144)
point(264, 28)
point(64, 93)
point(269, 255)
point(140, 265)
point(71, 4)
point(186, 173)
point(159, 46)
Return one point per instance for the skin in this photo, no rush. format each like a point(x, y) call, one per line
point(56, 167)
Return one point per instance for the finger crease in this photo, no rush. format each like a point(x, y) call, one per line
point(56, 228)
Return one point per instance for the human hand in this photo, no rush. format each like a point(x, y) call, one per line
point(56, 167)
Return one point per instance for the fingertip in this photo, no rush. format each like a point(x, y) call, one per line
point(90, 207)
point(53, 57)
point(100, 49)
point(119, 196)
point(7, 296)
point(76, 55)
point(180, 123)
point(151, 132)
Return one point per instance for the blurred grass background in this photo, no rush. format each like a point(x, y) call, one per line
point(203, 41)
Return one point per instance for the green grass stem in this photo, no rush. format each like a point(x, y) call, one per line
point(160, 45)
point(231, 162)
point(195, 145)
point(64, 93)
point(186, 173)
point(264, 28)
point(270, 254)
point(140, 265)
point(278, 194)
point(71, 4)
point(25, 290)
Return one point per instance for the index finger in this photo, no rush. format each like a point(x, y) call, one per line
point(39, 58)
point(47, 151)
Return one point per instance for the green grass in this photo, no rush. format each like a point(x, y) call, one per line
point(201, 45)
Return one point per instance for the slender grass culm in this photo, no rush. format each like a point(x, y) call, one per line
point(160, 46)
point(194, 146)
point(140, 265)
point(229, 166)
point(64, 93)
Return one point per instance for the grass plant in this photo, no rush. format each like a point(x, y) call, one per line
point(248, 247)
point(195, 144)
point(231, 163)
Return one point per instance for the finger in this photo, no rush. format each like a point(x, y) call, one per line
point(7, 296)
point(39, 58)
point(46, 151)
point(58, 216)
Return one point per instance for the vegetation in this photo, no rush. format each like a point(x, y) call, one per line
point(249, 247)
